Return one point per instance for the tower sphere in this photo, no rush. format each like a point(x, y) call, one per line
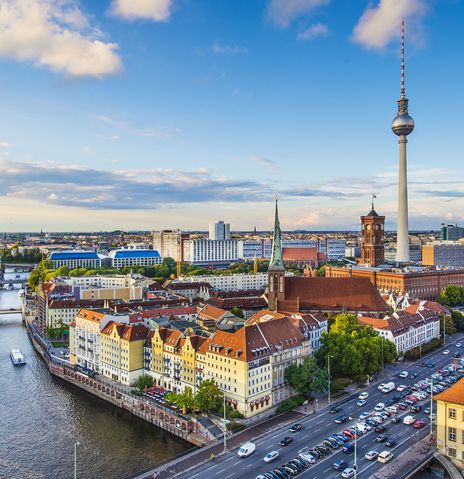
point(402, 125)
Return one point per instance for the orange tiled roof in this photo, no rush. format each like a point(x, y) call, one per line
point(211, 312)
point(299, 254)
point(90, 315)
point(454, 394)
point(129, 332)
point(264, 315)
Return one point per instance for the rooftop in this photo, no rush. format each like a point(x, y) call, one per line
point(454, 394)
point(134, 253)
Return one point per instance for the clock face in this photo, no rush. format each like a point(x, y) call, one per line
point(376, 227)
point(368, 227)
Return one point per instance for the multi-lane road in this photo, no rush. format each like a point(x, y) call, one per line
point(320, 426)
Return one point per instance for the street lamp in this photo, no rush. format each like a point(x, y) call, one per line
point(381, 339)
point(444, 331)
point(355, 466)
point(225, 425)
point(75, 459)
point(328, 374)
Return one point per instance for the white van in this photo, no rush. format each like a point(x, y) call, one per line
point(409, 420)
point(384, 456)
point(246, 449)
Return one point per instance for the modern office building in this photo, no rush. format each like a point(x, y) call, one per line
point(134, 257)
point(170, 243)
point(78, 259)
point(219, 231)
point(211, 252)
point(451, 232)
point(443, 254)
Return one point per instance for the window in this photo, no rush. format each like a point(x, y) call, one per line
point(452, 434)
point(452, 413)
point(451, 452)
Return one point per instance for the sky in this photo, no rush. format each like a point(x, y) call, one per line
point(150, 114)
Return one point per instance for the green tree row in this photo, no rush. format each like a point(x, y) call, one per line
point(355, 350)
point(452, 295)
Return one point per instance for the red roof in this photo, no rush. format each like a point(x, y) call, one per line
point(299, 254)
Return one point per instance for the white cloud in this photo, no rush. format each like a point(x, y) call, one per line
point(219, 49)
point(5, 144)
point(156, 10)
point(57, 35)
point(283, 12)
point(266, 163)
point(380, 24)
point(316, 30)
point(145, 132)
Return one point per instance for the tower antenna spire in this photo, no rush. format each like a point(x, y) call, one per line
point(402, 59)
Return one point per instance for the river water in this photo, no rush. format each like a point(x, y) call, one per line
point(41, 417)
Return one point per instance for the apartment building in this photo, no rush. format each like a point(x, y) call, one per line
point(170, 243)
point(450, 423)
point(122, 351)
point(231, 282)
point(443, 254)
point(207, 252)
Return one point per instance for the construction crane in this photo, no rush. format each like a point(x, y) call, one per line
point(255, 264)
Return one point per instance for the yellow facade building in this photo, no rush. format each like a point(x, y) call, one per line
point(450, 423)
point(121, 348)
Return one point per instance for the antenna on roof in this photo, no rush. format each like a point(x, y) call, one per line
point(402, 59)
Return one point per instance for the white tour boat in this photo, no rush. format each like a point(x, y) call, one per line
point(17, 357)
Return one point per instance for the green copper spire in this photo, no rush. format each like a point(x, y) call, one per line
point(276, 263)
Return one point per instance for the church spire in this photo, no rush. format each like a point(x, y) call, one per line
point(276, 258)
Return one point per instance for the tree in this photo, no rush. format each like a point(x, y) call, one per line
point(321, 271)
point(452, 295)
point(144, 380)
point(236, 311)
point(448, 323)
point(307, 378)
point(344, 324)
point(186, 400)
point(208, 397)
point(458, 319)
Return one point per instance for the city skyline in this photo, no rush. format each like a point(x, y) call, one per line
point(112, 120)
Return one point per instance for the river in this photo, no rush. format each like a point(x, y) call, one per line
point(42, 417)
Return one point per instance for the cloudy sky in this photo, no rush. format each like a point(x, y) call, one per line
point(141, 114)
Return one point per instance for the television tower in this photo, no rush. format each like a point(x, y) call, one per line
point(402, 126)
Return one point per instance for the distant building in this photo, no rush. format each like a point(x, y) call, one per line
point(230, 282)
point(443, 254)
point(137, 246)
point(170, 243)
point(418, 283)
point(415, 253)
point(211, 252)
point(219, 231)
point(188, 289)
point(450, 423)
point(451, 232)
point(134, 257)
point(333, 248)
point(77, 259)
point(372, 231)
point(302, 257)
point(259, 248)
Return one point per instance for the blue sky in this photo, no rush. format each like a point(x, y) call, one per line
point(174, 113)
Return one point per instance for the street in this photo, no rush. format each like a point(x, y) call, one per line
point(319, 427)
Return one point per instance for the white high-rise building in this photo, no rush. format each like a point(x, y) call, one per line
point(203, 251)
point(219, 231)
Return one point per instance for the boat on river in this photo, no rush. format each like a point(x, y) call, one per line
point(17, 357)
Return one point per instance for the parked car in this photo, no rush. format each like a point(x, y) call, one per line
point(371, 455)
point(380, 428)
point(271, 456)
point(380, 406)
point(364, 415)
point(309, 458)
point(286, 441)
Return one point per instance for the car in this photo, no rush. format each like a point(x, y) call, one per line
point(430, 365)
point(457, 355)
point(348, 433)
point(315, 453)
point(419, 424)
point(403, 374)
point(380, 428)
point(338, 440)
point(335, 409)
point(309, 458)
point(402, 406)
point(339, 465)
point(341, 419)
point(427, 410)
point(364, 415)
point(409, 420)
point(299, 461)
point(446, 352)
point(416, 408)
point(348, 472)
point(363, 395)
point(297, 428)
point(390, 443)
point(371, 455)
point(392, 409)
point(281, 473)
point(413, 375)
point(261, 477)
point(380, 406)
point(271, 456)
point(342, 437)
point(458, 345)
point(395, 419)
point(286, 441)
point(381, 386)
point(361, 403)
point(381, 438)
point(423, 364)
point(401, 387)
point(385, 456)
point(348, 449)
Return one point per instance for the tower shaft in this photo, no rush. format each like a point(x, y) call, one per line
point(402, 240)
